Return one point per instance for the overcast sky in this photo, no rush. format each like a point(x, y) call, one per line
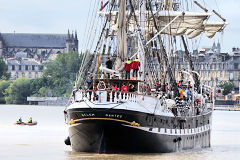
point(57, 16)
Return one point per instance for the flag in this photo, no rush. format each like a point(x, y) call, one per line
point(101, 5)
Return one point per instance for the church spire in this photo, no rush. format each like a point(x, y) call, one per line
point(72, 37)
point(75, 35)
point(68, 36)
point(218, 47)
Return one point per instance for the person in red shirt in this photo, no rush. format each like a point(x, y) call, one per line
point(128, 68)
point(124, 89)
point(135, 66)
point(114, 88)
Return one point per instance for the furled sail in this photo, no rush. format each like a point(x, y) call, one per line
point(121, 36)
point(210, 28)
point(190, 24)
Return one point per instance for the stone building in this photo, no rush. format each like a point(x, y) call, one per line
point(214, 68)
point(25, 53)
point(24, 67)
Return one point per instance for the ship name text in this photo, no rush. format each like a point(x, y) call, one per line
point(113, 115)
point(88, 115)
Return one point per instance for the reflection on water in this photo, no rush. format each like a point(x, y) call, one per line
point(46, 140)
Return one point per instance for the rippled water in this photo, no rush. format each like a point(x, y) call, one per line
point(46, 140)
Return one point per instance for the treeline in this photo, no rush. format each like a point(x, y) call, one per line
point(57, 80)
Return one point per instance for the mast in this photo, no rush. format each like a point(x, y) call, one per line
point(165, 57)
point(141, 55)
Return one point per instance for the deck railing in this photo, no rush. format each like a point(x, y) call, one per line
point(104, 96)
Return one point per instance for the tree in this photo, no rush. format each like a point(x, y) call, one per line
point(228, 87)
point(3, 86)
point(3, 70)
point(37, 84)
point(58, 77)
point(18, 91)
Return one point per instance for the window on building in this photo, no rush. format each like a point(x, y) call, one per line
point(40, 68)
point(20, 68)
point(230, 76)
point(16, 75)
point(23, 74)
point(33, 67)
point(30, 75)
point(235, 65)
point(36, 74)
point(13, 68)
point(26, 67)
point(221, 75)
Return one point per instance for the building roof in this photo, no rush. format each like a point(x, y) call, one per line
point(34, 40)
point(24, 61)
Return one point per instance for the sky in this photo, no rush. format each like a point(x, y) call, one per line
point(57, 16)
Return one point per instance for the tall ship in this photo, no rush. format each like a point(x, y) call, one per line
point(155, 107)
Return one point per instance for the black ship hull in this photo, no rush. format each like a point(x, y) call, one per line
point(102, 131)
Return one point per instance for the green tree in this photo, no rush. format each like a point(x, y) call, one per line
point(37, 84)
point(3, 86)
point(3, 70)
point(58, 77)
point(18, 91)
point(228, 87)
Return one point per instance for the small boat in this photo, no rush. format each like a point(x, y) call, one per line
point(31, 124)
point(20, 123)
point(26, 123)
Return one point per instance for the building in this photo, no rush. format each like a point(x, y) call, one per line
point(215, 68)
point(25, 53)
point(24, 67)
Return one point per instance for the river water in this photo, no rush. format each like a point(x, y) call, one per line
point(45, 141)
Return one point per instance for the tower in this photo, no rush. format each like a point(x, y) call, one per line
point(72, 42)
point(218, 47)
point(214, 47)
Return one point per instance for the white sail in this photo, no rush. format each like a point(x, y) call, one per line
point(190, 24)
point(210, 28)
point(121, 35)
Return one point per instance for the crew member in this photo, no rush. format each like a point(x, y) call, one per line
point(109, 64)
point(135, 66)
point(128, 68)
point(90, 87)
point(181, 93)
point(124, 89)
